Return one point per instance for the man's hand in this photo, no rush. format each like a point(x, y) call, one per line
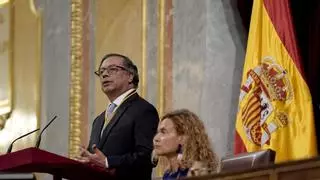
point(96, 159)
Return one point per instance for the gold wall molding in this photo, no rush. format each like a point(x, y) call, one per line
point(3, 118)
point(6, 70)
point(25, 66)
point(75, 77)
point(144, 48)
point(165, 52)
point(160, 65)
point(161, 54)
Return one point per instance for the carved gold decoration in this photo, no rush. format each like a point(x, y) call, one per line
point(3, 119)
point(5, 62)
point(25, 73)
point(76, 77)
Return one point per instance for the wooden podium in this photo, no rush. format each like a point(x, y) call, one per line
point(36, 160)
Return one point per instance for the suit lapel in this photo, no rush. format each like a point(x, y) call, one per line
point(115, 119)
point(97, 129)
point(100, 126)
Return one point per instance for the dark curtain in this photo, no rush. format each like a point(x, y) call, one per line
point(306, 17)
point(245, 7)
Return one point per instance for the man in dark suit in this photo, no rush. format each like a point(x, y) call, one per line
point(121, 136)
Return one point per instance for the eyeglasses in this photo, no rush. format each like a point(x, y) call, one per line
point(111, 70)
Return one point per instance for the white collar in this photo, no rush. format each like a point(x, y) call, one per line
point(120, 98)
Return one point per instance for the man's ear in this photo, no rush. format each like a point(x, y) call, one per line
point(130, 78)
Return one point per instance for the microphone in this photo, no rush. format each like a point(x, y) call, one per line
point(10, 147)
point(39, 137)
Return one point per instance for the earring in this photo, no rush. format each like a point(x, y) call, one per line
point(180, 152)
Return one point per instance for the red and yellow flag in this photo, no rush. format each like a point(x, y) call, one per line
point(275, 107)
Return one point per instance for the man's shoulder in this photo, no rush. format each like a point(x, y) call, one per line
point(140, 101)
point(140, 105)
point(142, 108)
point(101, 115)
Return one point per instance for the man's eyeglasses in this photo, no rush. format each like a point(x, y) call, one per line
point(111, 70)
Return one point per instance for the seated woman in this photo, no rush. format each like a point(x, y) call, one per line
point(183, 146)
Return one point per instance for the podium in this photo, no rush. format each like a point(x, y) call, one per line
point(36, 160)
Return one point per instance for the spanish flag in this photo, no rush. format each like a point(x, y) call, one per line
point(275, 108)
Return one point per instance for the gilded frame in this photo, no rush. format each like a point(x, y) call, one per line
point(6, 104)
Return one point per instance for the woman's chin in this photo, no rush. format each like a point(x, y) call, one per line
point(159, 152)
point(162, 153)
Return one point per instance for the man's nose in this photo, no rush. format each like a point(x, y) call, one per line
point(104, 74)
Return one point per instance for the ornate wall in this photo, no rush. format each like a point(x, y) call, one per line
point(208, 52)
point(20, 58)
point(189, 54)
